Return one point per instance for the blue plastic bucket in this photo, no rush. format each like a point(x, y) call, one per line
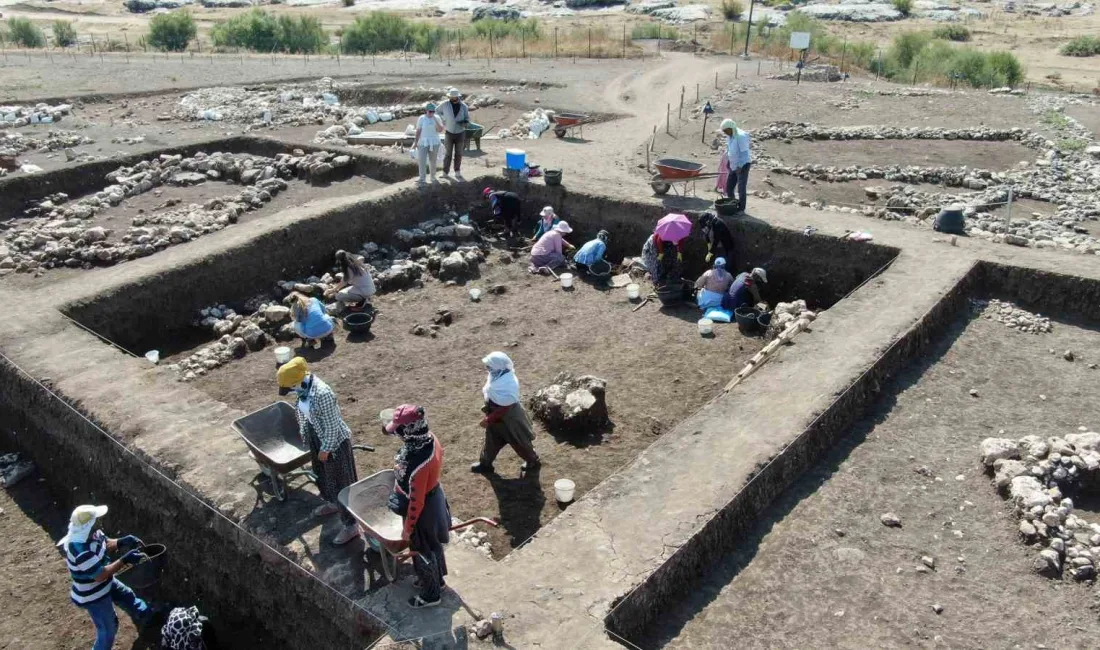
point(515, 158)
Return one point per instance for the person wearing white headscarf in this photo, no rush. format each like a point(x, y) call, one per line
point(505, 421)
point(94, 585)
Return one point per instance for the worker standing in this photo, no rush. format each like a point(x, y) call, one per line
point(738, 152)
point(95, 587)
point(456, 115)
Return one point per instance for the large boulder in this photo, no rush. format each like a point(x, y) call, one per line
point(994, 449)
point(455, 267)
point(572, 403)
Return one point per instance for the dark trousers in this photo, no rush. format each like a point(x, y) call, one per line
point(738, 180)
point(452, 147)
point(497, 437)
point(335, 474)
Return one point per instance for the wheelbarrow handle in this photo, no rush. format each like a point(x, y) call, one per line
point(363, 447)
point(476, 520)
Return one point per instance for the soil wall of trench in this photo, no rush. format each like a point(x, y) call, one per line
point(818, 269)
point(17, 193)
point(254, 597)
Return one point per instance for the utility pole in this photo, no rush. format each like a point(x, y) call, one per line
point(748, 28)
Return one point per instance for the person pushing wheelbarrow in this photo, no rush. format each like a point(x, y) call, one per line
point(418, 498)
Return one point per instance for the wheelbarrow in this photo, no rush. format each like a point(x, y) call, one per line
point(368, 502)
point(566, 122)
point(671, 171)
point(473, 135)
point(271, 434)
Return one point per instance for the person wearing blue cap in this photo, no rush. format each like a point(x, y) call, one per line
point(713, 285)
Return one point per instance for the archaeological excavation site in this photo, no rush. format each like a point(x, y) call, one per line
point(889, 438)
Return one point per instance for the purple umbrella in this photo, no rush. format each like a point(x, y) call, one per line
point(673, 227)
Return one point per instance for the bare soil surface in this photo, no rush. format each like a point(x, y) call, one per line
point(820, 570)
point(118, 218)
point(657, 367)
point(850, 193)
point(1089, 116)
point(35, 610)
point(995, 156)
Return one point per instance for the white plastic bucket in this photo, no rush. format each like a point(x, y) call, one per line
point(706, 326)
point(566, 280)
point(386, 416)
point(633, 291)
point(153, 356)
point(563, 490)
point(283, 354)
point(475, 294)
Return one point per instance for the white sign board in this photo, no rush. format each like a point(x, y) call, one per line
point(800, 40)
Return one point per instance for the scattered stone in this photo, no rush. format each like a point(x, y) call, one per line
point(890, 520)
point(994, 449)
point(13, 470)
point(572, 403)
point(928, 561)
point(938, 608)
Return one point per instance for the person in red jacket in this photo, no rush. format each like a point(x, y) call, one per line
point(418, 497)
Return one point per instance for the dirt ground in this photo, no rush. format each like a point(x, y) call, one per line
point(118, 218)
point(657, 367)
point(820, 570)
point(35, 610)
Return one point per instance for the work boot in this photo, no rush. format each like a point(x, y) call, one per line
point(347, 534)
point(478, 468)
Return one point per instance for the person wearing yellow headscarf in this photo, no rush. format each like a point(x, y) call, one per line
point(323, 429)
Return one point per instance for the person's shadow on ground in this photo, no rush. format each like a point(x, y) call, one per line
point(520, 501)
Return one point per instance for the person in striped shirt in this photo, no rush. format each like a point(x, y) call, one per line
point(95, 587)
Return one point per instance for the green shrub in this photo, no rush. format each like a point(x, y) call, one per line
point(1082, 46)
point(262, 32)
point(957, 33)
point(171, 31)
point(64, 34)
point(301, 35)
point(1056, 119)
point(25, 33)
point(907, 46)
point(732, 10)
point(1071, 144)
point(1006, 68)
point(904, 7)
point(380, 31)
point(654, 30)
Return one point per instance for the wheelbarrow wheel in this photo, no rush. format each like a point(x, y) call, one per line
point(660, 188)
point(559, 131)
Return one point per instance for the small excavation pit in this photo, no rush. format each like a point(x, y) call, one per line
point(170, 213)
point(914, 452)
point(658, 368)
point(993, 156)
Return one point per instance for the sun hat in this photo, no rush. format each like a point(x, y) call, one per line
point(761, 273)
point(728, 124)
point(81, 523)
point(546, 212)
point(453, 92)
point(404, 415)
point(290, 374)
point(719, 262)
point(563, 227)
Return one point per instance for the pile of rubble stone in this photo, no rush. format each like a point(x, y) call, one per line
point(19, 116)
point(448, 249)
point(13, 143)
point(788, 131)
point(1039, 475)
point(530, 125)
point(1012, 316)
point(822, 73)
point(56, 233)
point(786, 313)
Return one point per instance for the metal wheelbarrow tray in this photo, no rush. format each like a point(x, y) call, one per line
point(673, 170)
point(271, 434)
point(565, 122)
point(368, 502)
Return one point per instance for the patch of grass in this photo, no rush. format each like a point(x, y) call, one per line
point(957, 33)
point(653, 30)
point(24, 33)
point(1055, 119)
point(1071, 144)
point(732, 10)
point(1082, 46)
point(904, 7)
point(64, 34)
point(172, 31)
point(501, 29)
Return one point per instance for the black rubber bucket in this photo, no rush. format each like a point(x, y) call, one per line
point(147, 573)
point(552, 176)
point(359, 322)
point(763, 320)
point(727, 207)
point(747, 322)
